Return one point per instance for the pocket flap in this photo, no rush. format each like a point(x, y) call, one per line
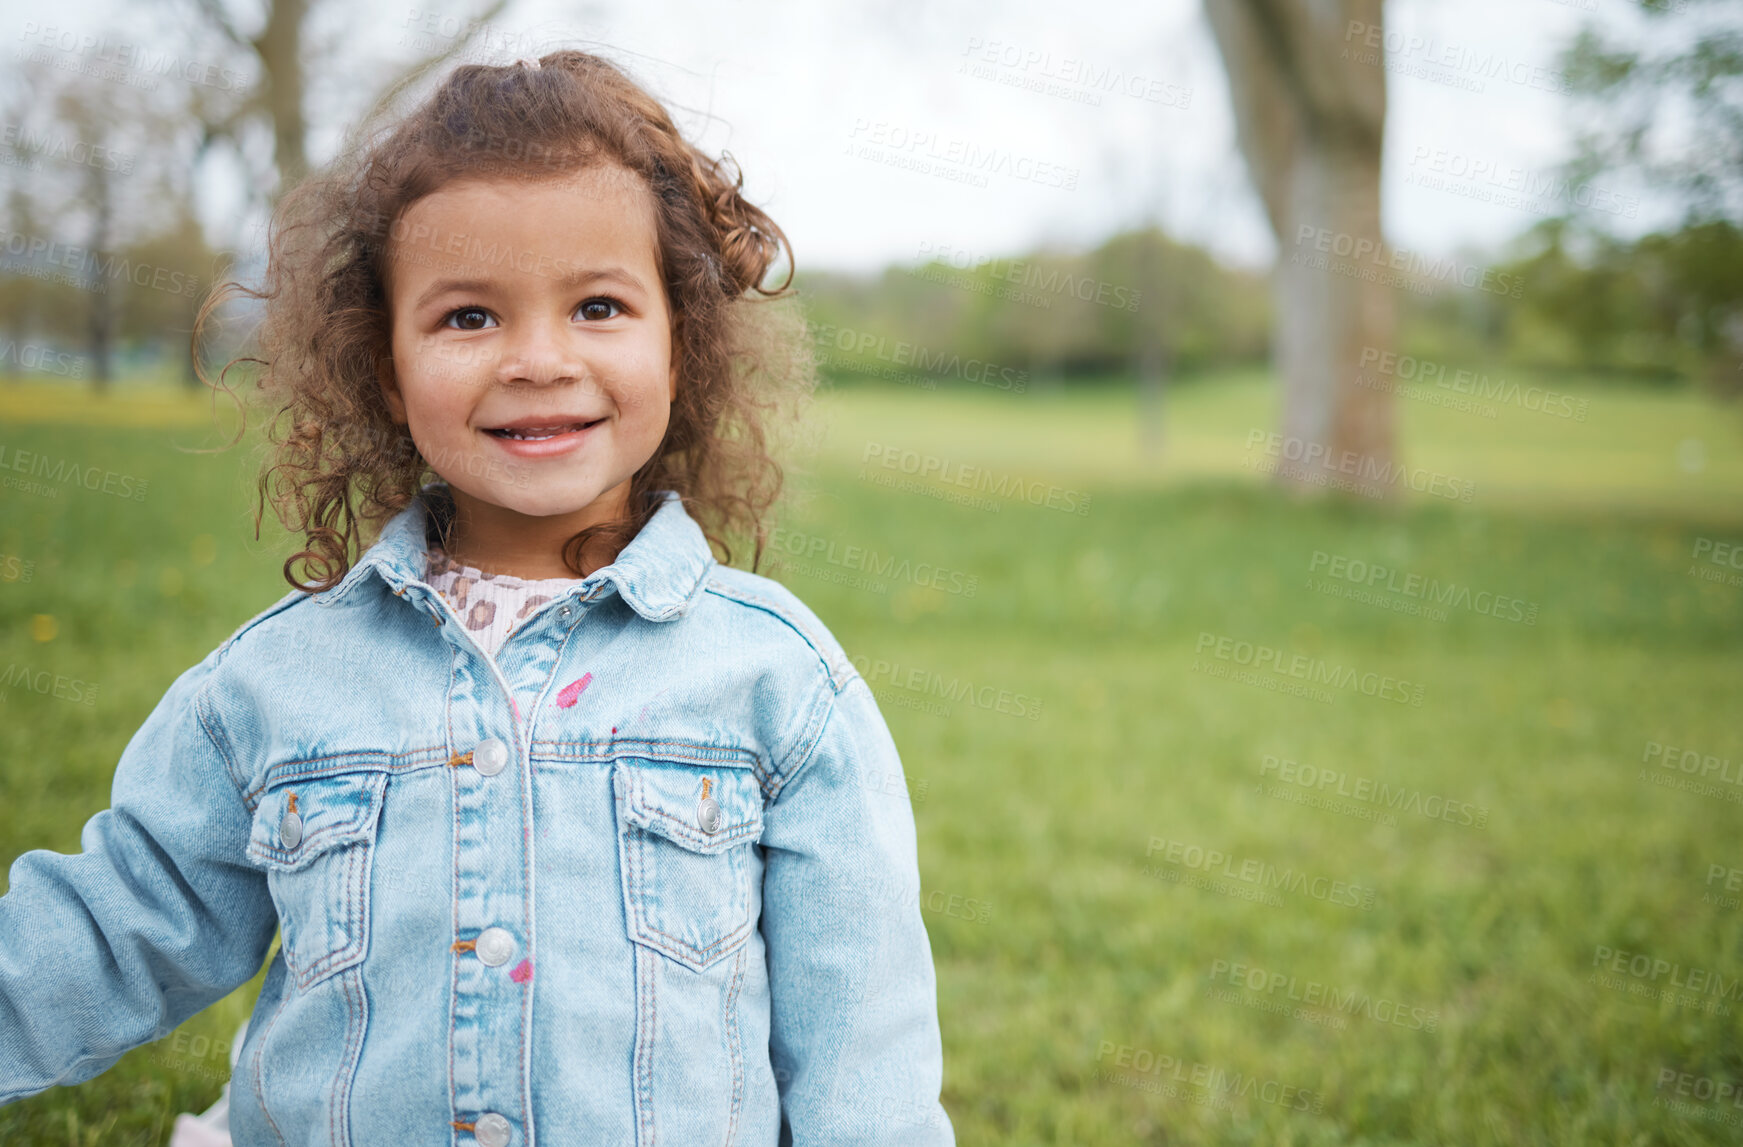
point(667, 800)
point(296, 821)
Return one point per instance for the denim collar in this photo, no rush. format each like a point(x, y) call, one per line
point(660, 573)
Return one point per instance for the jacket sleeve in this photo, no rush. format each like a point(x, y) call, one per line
point(159, 916)
point(853, 1035)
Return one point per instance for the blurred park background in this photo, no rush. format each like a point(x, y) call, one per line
point(1332, 413)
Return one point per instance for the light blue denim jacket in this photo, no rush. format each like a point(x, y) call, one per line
point(681, 907)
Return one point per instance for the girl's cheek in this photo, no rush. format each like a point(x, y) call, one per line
point(644, 368)
point(646, 402)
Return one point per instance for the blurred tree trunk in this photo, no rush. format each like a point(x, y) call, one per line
point(1310, 121)
point(101, 342)
point(286, 63)
point(278, 96)
point(17, 300)
point(280, 48)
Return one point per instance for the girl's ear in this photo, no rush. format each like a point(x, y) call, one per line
point(390, 387)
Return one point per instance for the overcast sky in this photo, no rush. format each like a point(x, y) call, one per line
point(876, 132)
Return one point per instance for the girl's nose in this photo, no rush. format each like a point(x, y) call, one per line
point(540, 352)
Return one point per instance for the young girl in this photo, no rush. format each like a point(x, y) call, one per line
point(564, 826)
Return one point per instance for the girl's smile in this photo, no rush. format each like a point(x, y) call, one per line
point(530, 321)
point(528, 439)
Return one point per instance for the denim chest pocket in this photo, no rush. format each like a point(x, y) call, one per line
point(685, 835)
point(315, 838)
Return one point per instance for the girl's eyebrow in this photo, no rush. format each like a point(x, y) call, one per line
point(572, 279)
point(442, 286)
point(602, 274)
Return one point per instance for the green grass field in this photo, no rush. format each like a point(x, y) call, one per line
point(1412, 962)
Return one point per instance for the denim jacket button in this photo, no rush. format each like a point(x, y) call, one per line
point(492, 1130)
point(290, 830)
point(490, 756)
point(708, 814)
point(494, 947)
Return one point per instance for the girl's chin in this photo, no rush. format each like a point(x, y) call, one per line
point(568, 498)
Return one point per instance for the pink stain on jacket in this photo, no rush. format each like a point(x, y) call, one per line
point(573, 690)
point(523, 972)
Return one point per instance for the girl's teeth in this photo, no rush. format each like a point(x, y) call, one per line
point(536, 435)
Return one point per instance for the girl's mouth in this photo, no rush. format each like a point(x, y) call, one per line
point(543, 433)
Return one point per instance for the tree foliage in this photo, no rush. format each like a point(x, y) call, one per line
point(1666, 105)
point(1046, 313)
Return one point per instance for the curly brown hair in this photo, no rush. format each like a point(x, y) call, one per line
point(327, 325)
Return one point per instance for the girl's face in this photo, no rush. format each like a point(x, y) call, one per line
point(532, 347)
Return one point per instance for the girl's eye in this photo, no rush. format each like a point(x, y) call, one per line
point(597, 309)
point(471, 319)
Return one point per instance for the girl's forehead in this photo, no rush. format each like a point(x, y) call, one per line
point(592, 181)
point(485, 224)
